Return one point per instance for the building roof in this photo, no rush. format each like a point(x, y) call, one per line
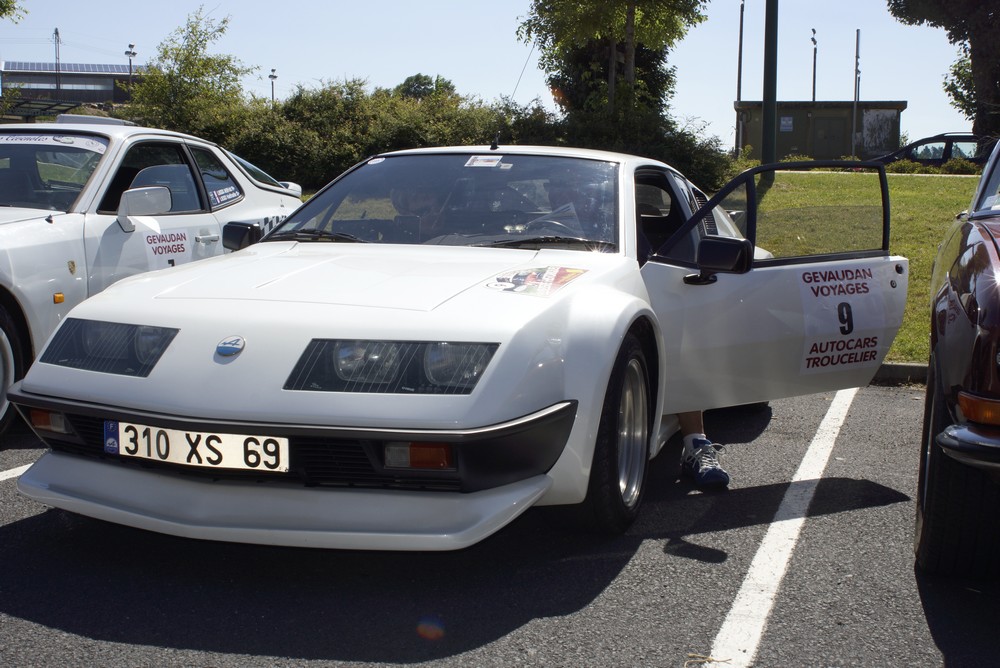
point(8, 66)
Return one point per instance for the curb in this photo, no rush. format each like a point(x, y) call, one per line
point(900, 373)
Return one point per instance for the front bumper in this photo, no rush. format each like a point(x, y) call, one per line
point(278, 514)
point(331, 456)
point(972, 445)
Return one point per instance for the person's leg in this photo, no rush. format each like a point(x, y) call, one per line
point(700, 458)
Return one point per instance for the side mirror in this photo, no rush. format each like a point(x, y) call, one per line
point(293, 188)
point(238, 235)
point(721, 255)
point(150, 201)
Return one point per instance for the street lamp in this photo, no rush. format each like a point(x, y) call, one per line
point(814, 63)
point(272, 76)
point(131, 54)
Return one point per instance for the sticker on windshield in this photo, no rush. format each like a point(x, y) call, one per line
point(93, 144)
point(540, 282)
point(845, 316)
point(484, 161)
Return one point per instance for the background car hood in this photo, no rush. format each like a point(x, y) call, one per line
point(403, 277)
point(15, 214)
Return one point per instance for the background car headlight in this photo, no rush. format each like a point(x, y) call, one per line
point(108, 347)
point(391, 367)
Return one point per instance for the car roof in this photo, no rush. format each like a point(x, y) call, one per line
point(112, 130)
point(514, 149)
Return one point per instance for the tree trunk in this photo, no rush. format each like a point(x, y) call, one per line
point(630, 44)
point(612, 72)
point(984, 57)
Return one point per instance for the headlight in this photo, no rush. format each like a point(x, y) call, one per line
point(390, 367)
point(456, 364)
point(366, 361)
point(108, 347)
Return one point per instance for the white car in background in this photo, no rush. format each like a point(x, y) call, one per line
point(85, 202)
point(442, 338)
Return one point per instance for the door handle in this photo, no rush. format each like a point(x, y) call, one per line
point(206, 238)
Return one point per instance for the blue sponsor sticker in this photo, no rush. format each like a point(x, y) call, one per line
point(111, 437)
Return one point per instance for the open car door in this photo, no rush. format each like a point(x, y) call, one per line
point(800, 296)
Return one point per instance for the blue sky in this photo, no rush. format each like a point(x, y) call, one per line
point(473, 43)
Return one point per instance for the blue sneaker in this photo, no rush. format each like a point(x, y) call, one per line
point(701, 464)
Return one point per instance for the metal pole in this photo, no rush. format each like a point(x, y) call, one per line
point(857, 93)
point(768, 146)
point(739, 86)
point(272, 76)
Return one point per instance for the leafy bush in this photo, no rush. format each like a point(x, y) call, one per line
point(903, 167)
point(959, 166)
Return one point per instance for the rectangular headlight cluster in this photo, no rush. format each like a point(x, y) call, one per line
point(108, 347)
point(390, 367)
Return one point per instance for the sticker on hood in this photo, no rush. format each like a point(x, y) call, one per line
point(540, 281)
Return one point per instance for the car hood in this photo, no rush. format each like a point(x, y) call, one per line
point(394, 277)
point(14, 214)
point(278, 297)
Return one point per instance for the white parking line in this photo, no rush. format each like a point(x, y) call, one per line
point(737, 641)
point(13, 473)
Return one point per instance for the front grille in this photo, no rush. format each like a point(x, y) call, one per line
point(313, 461)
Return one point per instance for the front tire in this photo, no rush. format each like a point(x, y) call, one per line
point(957, 506)
point(621, 453)
point(12, 365)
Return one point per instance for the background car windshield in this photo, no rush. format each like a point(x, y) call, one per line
point(466, 199)
point(46, 171)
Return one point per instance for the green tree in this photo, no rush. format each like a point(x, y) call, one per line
point(186, 88)
point(420, 86)
point(976, 25)
point(560, 27)
point(958, 85)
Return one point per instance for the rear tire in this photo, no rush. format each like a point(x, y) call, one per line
point(957, 506)
point(621, 452)
point(12, 365)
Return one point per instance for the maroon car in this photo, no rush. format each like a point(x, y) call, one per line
point(958, 502)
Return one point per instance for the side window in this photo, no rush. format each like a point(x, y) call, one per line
point(154, 164)
point(964, 149)
point(929, 151)
point(222, 189)
point(798, 219)
point(659, 215)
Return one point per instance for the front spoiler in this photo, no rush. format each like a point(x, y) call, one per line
point(350, 519)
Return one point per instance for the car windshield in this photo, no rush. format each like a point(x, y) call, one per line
point(254, 171)
point(46, 171)
point(517, 201)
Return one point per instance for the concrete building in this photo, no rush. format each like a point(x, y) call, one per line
point(822, 130)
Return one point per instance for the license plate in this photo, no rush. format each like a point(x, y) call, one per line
point(196, 448)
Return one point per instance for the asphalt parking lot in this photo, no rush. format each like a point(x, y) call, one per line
point(76, 591)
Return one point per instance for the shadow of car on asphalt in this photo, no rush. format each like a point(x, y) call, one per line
point(116, 584)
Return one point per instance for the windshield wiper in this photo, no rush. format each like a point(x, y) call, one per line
point(546, 239)
point(314, 235)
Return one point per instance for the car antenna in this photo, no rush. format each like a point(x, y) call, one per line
point(496, 142)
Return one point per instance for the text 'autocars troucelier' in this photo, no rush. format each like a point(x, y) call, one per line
point(958, 490)
point(442, 338)
point(86, 201)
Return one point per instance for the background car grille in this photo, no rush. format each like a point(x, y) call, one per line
point(314, 461)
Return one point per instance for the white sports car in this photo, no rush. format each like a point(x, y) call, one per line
point(87, 201)
point(442, 338)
